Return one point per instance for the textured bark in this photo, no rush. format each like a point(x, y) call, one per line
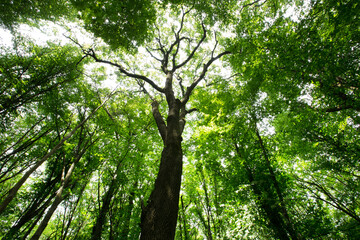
point(158, 220)
point(159, 217)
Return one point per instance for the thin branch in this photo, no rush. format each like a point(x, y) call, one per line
point(159, 40)
point(333, 201)
point(193, 51)
point(178, 39)
point(253, 3)
point(153, 56)
point(340, 108)
point(202, 75)
point(143, 89)
point(216, 43)
point(91, 53)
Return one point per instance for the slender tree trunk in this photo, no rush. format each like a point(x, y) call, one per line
point(59, 194)
point(32, 212)
point(128, 211)
point(49, 213)
point(265, 202)
point(186, 237)
point(288, 223)
point(104, 209)
point(101, 218)
point(275, 219)
point(73, 210)
point(32, 226)
point(13, 191)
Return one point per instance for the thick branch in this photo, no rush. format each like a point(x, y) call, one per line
point(91, 53)
point(179, 78)
point(159, 120)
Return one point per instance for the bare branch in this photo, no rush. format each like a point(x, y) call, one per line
point(216, 43)
point(153, 56)
point(143, 89)
point(202, 75)
point(332, 199)
point(158, 39)
point(74, 41)
point(191, 110)
point(178, 39)
point(340, 108)
point(253, 3)
point(193, 51)
point(179, 78)
point(92, 54)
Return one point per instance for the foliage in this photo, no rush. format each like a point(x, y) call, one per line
point(15, 12)
point(271, 143)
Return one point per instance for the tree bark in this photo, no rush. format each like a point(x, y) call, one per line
point(159, 217)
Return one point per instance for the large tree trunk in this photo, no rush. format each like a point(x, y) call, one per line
point(158, 220)
point(159, 217)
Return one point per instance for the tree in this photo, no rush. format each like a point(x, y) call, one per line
point(160, 214)
point(269, 151)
